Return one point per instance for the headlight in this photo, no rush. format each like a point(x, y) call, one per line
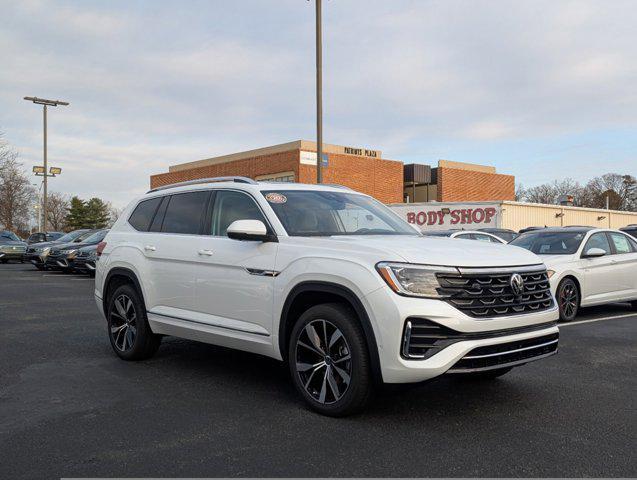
point(68, 252)
point(45, 251)
point(550, 273)
point(413, 280)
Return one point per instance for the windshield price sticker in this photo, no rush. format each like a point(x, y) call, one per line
point(276, 198)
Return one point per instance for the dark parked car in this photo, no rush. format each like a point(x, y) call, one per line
point(85, 259)
point(530, 229)
point(503, 233)
point(62, 256)
point(630, 230)
point(39, 237)
point(11, 247)
point(37, 252)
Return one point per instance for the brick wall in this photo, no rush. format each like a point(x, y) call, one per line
point(380, 178)
point(249, 167)
point(455, 185)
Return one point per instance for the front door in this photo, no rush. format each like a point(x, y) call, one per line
point(598, 273)
point(235, 279)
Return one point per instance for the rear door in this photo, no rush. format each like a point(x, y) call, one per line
point(170, 248)
point(235, 279)
point(625, 262)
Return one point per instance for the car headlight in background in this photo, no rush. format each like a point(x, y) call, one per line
point(69, 253)
point(413, 280)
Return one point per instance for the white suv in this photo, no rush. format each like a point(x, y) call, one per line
point(326, 279)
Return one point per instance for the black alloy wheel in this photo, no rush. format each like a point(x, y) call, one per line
point(128, 329)
point(329, 361)
point(568, 298)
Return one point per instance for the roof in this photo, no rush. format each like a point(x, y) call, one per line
point(580, 229)
point(241, 183)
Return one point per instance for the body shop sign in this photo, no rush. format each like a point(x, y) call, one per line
point(441, 216)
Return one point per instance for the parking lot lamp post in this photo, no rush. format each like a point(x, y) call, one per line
point(319, 93)
point(45, 103)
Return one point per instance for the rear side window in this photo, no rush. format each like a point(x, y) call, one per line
point(184, 213)
point(621, 242)
point(143, 214)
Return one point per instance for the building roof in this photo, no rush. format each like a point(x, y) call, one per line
point(306, 145)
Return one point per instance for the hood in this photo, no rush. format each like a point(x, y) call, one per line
point(63, 246)
point(6, 241)
point(550, 260)
point(435, 250)
point(88, 248)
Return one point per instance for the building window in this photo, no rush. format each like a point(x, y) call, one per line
point(283, 177)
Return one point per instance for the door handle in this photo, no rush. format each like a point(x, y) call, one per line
point(150, 248)
point(206, 253)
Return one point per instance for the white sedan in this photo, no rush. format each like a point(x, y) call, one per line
point(586, 266)
point(465, 235)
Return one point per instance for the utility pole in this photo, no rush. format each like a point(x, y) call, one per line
point(319, 94)
point(45, 103)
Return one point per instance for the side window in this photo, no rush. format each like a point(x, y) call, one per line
point(231, 206)
point(184, 213)
point(159, 216)
point(465, 236)
point(481, 237)
point(621, 242)
point(598, 240)
point(143, 214)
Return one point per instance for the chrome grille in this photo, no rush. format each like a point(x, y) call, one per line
point(490, 294)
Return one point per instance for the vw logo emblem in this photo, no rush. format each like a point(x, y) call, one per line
point(517, 284)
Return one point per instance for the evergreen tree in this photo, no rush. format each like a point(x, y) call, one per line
point(96, 214)
point(75, 219)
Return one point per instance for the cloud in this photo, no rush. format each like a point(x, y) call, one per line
point(156, 83)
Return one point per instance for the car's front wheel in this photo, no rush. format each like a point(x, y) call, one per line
point(568, 299)
point(329, 361)
point(128, 329)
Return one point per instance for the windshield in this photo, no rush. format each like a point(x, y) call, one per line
point(321, 213)
point(95, 237)
point(9, 235)
point(69, 237)
point(550, 243)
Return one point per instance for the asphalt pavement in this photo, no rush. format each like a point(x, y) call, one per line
point(70, 408)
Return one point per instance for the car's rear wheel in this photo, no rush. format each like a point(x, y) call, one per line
point(128, 329)
point(568, 298)
point(329, 361)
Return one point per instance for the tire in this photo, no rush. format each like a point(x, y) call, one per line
point(568, 298)
point(480, 376)
point(4, 261)
point(128, 329)
point(39, 267)
point(342, 384)
point(634, 305)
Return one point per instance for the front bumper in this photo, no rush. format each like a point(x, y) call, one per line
point(59, 262)
point(11, 256)
point(390, 312)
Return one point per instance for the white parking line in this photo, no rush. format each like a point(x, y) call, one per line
point(598, 319)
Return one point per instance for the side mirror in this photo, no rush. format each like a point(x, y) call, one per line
point(252, 230)
point(594, 253)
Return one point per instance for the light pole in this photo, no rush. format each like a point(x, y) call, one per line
point(45, 103)
point(319, 94)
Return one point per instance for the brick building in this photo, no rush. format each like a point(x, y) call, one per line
point(361, 169)
point(456, 182)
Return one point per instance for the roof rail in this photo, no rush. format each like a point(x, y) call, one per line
point(205, 180)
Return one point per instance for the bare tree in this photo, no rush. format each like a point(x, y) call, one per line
point(617, 189)
point(16, 191)
point(113, 214)
point(58, 208)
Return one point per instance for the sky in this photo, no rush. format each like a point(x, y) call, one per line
point(541, 89)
